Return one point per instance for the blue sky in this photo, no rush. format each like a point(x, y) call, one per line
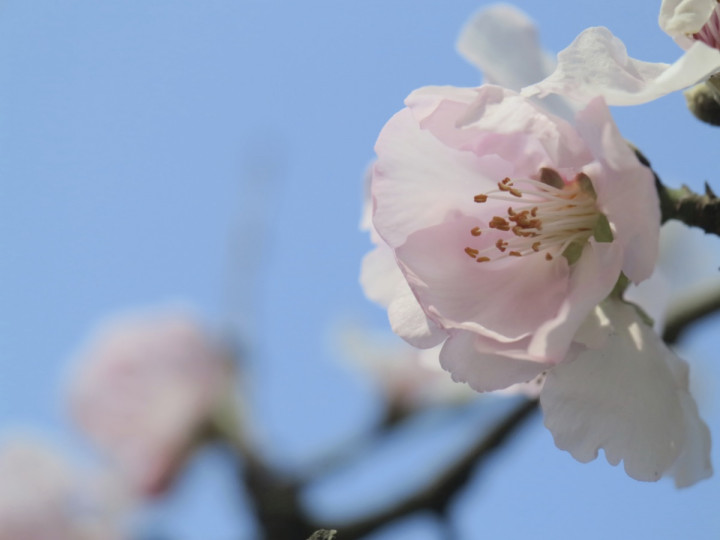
point(213, 152)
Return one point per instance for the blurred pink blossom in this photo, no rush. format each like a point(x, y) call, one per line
point(43, 498)
point(144, 388)
point(410, 378)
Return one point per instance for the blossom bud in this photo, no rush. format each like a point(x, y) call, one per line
point(703, 100)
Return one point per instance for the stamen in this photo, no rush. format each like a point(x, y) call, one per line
point(559, 214)
point(499, 223)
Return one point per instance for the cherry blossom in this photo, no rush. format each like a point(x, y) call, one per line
point(508, 223)
point(42, 496)
point(597, 63)
point(410, 378)
point(145, 385)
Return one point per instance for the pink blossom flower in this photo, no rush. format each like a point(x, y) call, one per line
point(597, 63)
point(410, 378)
point(494, 209)
point(42, 497)
point(144, 388)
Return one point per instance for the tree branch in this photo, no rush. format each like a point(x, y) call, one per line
point(683, 313)
point(438, 495)
point(702, 211)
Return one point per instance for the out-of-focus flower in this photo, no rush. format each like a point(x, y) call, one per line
point(410, 378)
point(509, 226)
point(627, 393)
point(597, 63)
point(42, 497)
point(145, 388)
point(502, 42)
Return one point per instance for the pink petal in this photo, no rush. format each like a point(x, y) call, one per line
point(408, 320)
point(625, 189)
point(472, 359)
point(510, 297)
point(593, 277)
point(418, 179)
point(499, 121)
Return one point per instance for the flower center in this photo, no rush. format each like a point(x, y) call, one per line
point(710, 32)
point(551, 217)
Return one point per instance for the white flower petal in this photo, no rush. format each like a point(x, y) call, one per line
point(597, 64)
point(408, 320)
point(678, 17)
point(468, 357)
point(630, 398)
point(380, 276)
point(502, 42)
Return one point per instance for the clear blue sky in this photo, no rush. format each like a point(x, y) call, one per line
point(213, 151)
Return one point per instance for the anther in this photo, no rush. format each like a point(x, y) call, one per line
point(536, 246)
point(477, 231)
point(471, 252)
point(501, 245)
point(483, 259)
point(515, 254)
point(499, 223)
point(480, 198)
point(548, 257)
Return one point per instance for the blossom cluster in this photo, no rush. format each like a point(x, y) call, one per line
point(509, 219)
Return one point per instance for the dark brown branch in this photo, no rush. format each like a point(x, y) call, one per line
point(691, 308)
point(439, 494)
point(684, 205)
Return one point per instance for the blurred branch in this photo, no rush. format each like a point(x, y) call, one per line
point(691, 308)
point(437, 496)
point(280, 515)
